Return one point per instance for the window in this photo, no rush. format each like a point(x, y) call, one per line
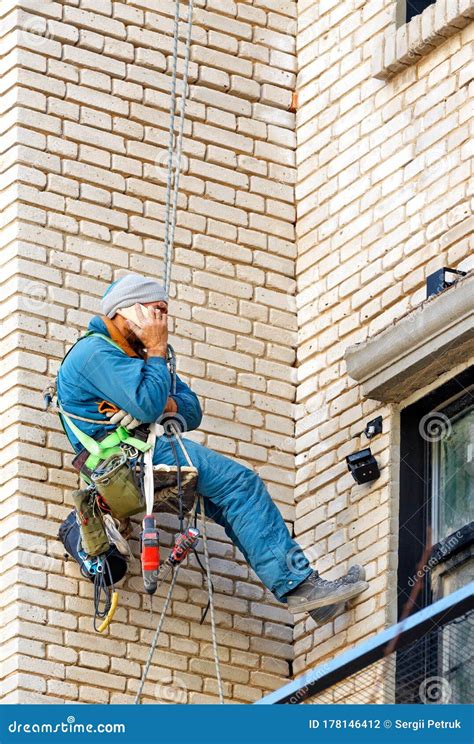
point(393, 52)
point(452, 465)
point(436, 527)
point(415, 7)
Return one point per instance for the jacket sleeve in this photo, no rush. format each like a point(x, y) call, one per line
point(140, 388)
point(188, 404)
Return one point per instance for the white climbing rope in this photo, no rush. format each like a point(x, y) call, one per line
point(211, 600)
point(146, 668)
point(175, 145)
point(148, 480)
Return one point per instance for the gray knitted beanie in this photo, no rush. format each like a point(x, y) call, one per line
point(130, 289)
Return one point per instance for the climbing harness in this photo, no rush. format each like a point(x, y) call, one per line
point(175, 146)
point(95, 451)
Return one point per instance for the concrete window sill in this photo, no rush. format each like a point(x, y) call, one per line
point(418, 348)
point(402, 47)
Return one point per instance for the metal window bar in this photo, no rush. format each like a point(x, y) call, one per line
point(438, 642)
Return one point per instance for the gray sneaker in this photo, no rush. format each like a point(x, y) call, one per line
point(317, 592)
point(323, 615)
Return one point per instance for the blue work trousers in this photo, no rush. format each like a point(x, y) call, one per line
point(236, 498)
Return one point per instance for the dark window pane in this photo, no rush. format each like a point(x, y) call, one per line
point(414, 7)
point(453, 475)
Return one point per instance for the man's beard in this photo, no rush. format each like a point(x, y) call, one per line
point(135, 342)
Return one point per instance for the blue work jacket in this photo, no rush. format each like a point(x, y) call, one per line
point(95, 371)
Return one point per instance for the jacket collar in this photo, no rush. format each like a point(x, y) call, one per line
point(103, 324)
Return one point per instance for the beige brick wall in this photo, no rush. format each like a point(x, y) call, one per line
point(383, 199)
point(84, 89)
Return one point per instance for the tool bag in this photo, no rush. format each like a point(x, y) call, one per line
point(91, 523)
point(69, 535)
point(117, 483)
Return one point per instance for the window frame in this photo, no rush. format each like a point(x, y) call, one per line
point(415, 513)
point(415, 508)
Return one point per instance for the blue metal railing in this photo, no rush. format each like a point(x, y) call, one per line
point(355, 659)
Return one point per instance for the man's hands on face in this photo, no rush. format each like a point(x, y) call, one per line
point(152, 330)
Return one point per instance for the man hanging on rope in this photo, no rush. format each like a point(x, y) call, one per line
point(132, 376)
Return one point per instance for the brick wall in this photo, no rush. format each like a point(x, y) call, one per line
point(383, 199)
point(84, 88)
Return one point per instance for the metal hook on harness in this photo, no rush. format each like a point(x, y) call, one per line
point(130, 452)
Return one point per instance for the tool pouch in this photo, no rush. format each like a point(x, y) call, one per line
point(118, 486)
point(93, 535)
point(69, 534)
